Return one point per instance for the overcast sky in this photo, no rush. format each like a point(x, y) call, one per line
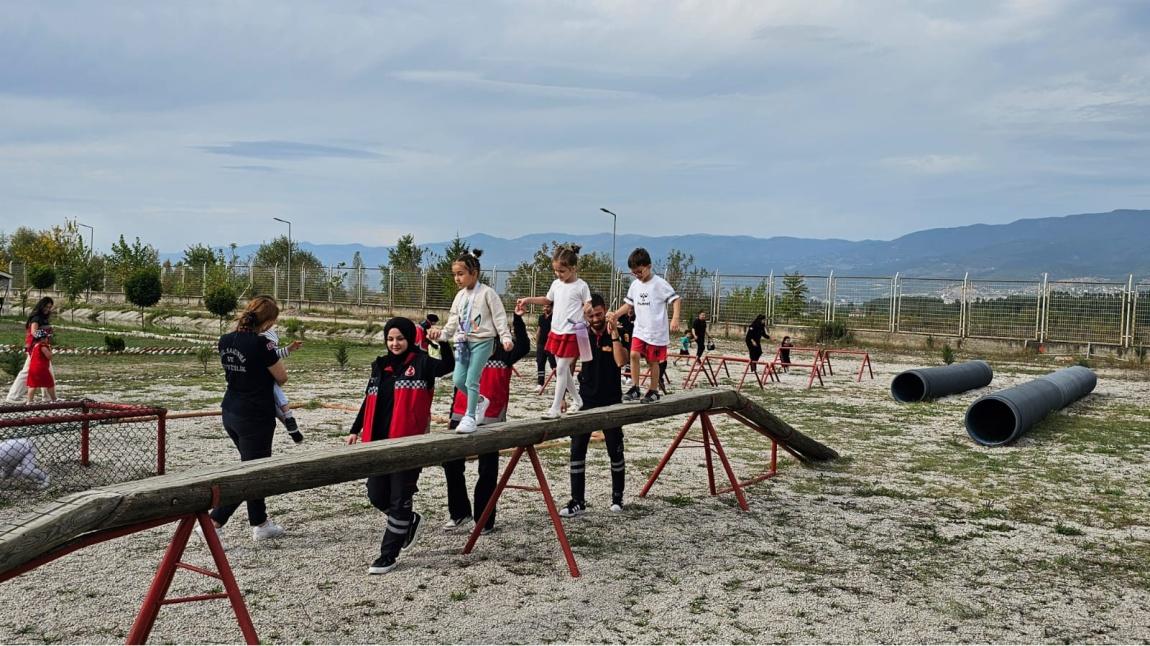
point(199, 121)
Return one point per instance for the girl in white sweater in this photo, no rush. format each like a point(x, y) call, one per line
point(476, 322)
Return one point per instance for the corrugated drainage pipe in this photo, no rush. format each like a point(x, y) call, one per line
point(1004, 416)
point(922, 384)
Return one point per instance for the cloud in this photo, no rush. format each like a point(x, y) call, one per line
point(256, 169)
point(933, 164)
point(288, 150)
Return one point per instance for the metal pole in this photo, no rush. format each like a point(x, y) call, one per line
point(614, 266)
point(289, 248)
point(91, 236)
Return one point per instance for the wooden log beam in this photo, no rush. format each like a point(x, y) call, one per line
point(173, 495)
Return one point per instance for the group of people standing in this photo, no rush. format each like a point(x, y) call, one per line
point(36, 375)
point(477, 345)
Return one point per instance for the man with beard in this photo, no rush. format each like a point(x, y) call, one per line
point(599, 386)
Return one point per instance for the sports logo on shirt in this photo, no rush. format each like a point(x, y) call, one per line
point(410, 372)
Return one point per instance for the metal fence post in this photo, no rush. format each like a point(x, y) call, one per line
point(1043, 310)
point(276, 281)
point(895, 302)
point(963, 308)
point(391, 292)
point(203, 280)
point(829, 309)
point(302, 284)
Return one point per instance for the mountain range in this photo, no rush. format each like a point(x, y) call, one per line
point(1091, 245)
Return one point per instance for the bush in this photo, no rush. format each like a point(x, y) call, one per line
point(947, 354)
point(114, 343)
point(294, 328)
point(143, 288)
point(832, 331)
point(205, 355)
point(12, 362)
point(41, 276)
point(342, 356)
point(222, 300)
point(1083, 361)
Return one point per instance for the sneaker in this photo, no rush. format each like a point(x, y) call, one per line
point(455, 522)
point(466, 425)
point(627, 381)
point(381, 566)
point(413, 530)
point(552, 414)
point(651, 397)
point(632, 395)
point(268, 530)
point(481, 409)
point(577, 401)
point(617, 506)
point(486, 530)
point(573, 509)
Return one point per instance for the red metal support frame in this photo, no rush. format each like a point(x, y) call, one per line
point(161, 443)
point(865, 365)
point(543, 488)
point(710, 443)
point(85, 435)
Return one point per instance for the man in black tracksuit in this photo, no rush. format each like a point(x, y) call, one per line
point(599, 386)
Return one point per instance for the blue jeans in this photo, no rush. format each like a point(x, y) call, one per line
point(469, 367)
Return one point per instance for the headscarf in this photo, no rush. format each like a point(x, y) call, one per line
point(407, 329)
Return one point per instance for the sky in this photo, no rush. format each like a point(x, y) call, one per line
point(190, 122)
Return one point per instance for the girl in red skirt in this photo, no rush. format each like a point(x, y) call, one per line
point(570, 299)
point(40, 369)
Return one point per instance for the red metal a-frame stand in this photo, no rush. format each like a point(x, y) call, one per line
point(710, 443)
point(158, 592)
point(541, 477)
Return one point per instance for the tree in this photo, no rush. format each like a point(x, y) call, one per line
point(793, 301)
point(143, 288)
point(440, 273)
point(42, 277)
point(199, 255)
point(270, 254)
point(595, 268)
point(406, 256)
point(221, 300)
point(127, 260)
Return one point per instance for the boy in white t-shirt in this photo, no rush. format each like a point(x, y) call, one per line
point(648, 298)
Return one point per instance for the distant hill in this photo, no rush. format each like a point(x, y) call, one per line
point(1093, 245)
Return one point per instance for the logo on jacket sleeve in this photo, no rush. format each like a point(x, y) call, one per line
point(410, 372)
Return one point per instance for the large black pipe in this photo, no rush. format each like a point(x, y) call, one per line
point(1004, 416)
point(929, 383)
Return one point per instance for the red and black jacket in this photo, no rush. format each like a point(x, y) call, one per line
point(495, 381)
point(397, 401)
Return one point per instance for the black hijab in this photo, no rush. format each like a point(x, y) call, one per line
point(407, 329)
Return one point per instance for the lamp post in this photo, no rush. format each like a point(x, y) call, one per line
point(614, 267)
point(287, 297)
point(91, 235)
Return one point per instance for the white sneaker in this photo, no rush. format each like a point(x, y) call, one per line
point(552, 414)
point(268, 530)
point(454, 523)
point(466, 425)
point(200, 532)
point(576, 402)
point(616, 507)
point(481, 409)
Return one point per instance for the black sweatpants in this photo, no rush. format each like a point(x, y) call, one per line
point(579, 443)
point(542, 359)
point(392, 494)
point(458, 504)
point(253, 437)
point(701, 342)
point(755, 351)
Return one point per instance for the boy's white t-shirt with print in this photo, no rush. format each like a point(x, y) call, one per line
point(650, 300)
point(567, 301)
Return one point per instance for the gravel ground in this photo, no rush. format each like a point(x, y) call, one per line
point(916, 535)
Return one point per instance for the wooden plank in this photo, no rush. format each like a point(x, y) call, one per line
point(171, 495)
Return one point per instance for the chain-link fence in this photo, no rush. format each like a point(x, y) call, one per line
point(1040, 310)
point(76, 445)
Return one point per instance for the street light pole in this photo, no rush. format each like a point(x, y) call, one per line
point(91, 235)
point(614, 267)
point(287, 297)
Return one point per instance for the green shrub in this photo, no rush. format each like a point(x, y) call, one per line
point(832, 331)
point(114, 343)
point(929, 342)
point(342, 356)
point(294, 328)
point(143, 288)
point(221, 300)
point(12, 362)
point(1083, 361)
point(205, 355)
point(41, 276)
point(947, 354)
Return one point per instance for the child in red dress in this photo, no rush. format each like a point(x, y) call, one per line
point(40, 369)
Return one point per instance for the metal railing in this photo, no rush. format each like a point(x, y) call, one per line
point(1109, 313)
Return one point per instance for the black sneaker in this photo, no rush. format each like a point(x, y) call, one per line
point(486, 530)
point(632, 395)
point(413, 530)
point(651, 397)
point(573, 509)
point(381, 566)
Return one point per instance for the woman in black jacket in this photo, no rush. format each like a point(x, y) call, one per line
point(756, 332)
